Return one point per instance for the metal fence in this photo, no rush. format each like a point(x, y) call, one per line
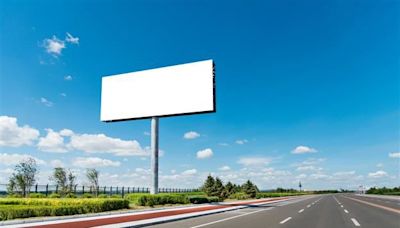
point(108, 190)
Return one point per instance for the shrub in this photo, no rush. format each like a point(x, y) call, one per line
point(54, 195)
point(240, 196)
point(37, 195)
point(203, 199)
point(86, 195)
point(162, 199)
point(70, 195)
point(14, 195)
point(102, 196)
point(24, 208)
point(116, 196)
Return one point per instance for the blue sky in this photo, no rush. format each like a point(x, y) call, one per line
point(306, 91)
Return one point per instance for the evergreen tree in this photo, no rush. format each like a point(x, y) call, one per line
point(249, 188)
point(219, 188)
point(208, 186)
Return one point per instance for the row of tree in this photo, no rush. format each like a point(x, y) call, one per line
point(25, 176)
point(384, 191)
point(215, 187)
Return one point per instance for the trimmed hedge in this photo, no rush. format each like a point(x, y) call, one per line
point(24, 208)
point(151, 200)
point(203, 199)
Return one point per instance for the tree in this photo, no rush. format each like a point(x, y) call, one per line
point(219, 188)
point(93, 178)
point(209, 185)
point(71, 180)
point(250, 189)
point(24, 176)
point(60, 177)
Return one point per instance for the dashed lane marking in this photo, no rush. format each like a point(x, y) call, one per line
point(287, 219)
point(355, 222)
point(301, 210)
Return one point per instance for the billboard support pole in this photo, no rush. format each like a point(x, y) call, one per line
point(154, 155)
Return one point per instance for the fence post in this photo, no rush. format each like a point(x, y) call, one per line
point(128, 190)
point(36, 188)
point(123, 191)
point(57, 188)
point(110, 191)
point(75, 188)
point(83, 189)
point(47, 189)
point(104, 191)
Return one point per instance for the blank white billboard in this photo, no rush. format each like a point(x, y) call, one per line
point(167, 91)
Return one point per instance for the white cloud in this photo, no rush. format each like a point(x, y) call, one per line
point(63, 94)
point(225, 168)
point(100, 143)
point(379, 165)
point(68, 78)
point(377, 174)
point(56, 163)
point(303, 150)
point(345, 173)
point(241, 141)
point(254, 161)
point(53, 142)
point(13, 135)
point(13, 159)
point(308, 168)
point(69, 38)
point(94, 162)
point(189, 172)
point(223, 144)
point(46, 102)
point(66, 132)
point(191, 135)
point(146, 133)
point(394, 155)
point(54, 46)
point(206, 153)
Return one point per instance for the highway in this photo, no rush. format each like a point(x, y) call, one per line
point(321, 211)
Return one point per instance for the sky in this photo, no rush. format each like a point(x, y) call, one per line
point(306, 90)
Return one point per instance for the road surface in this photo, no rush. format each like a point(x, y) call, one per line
point(321, 211)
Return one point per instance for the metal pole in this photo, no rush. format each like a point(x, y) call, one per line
point(154, 155)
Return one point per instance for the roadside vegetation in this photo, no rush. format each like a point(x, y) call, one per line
point(20, 202)
point(384, 191)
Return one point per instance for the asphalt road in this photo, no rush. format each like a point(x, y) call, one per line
point(321, 211)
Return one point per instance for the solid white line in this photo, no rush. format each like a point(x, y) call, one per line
point(346, 211)
point(355, 222)
point(301, 210)
point(225, 219)
point(287, 219)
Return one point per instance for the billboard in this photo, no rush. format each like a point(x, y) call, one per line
point(168, 91)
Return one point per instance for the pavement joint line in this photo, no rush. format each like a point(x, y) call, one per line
point(346, 211)
point(301, 210)
point(376, 205)
point(285, 220)
point(229, 218)
point(356, 223)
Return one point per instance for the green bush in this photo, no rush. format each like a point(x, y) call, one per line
point(54, 195)
point(14, 195)
point(86, 195)
point(37, 195)
point(24, 208)
point(116, 196)
point(239, 196)
point(102, 196)
point(203, 199)
point(213, 199)
point(161, 199)
point(70, 195)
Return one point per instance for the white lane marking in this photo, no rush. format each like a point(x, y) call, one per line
point(341, 205)
point(287, 219)
point(225, 219)
point(355, 222)
point(308, 205)
point(346, 211)
point(337, 201)
point(301, 210)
